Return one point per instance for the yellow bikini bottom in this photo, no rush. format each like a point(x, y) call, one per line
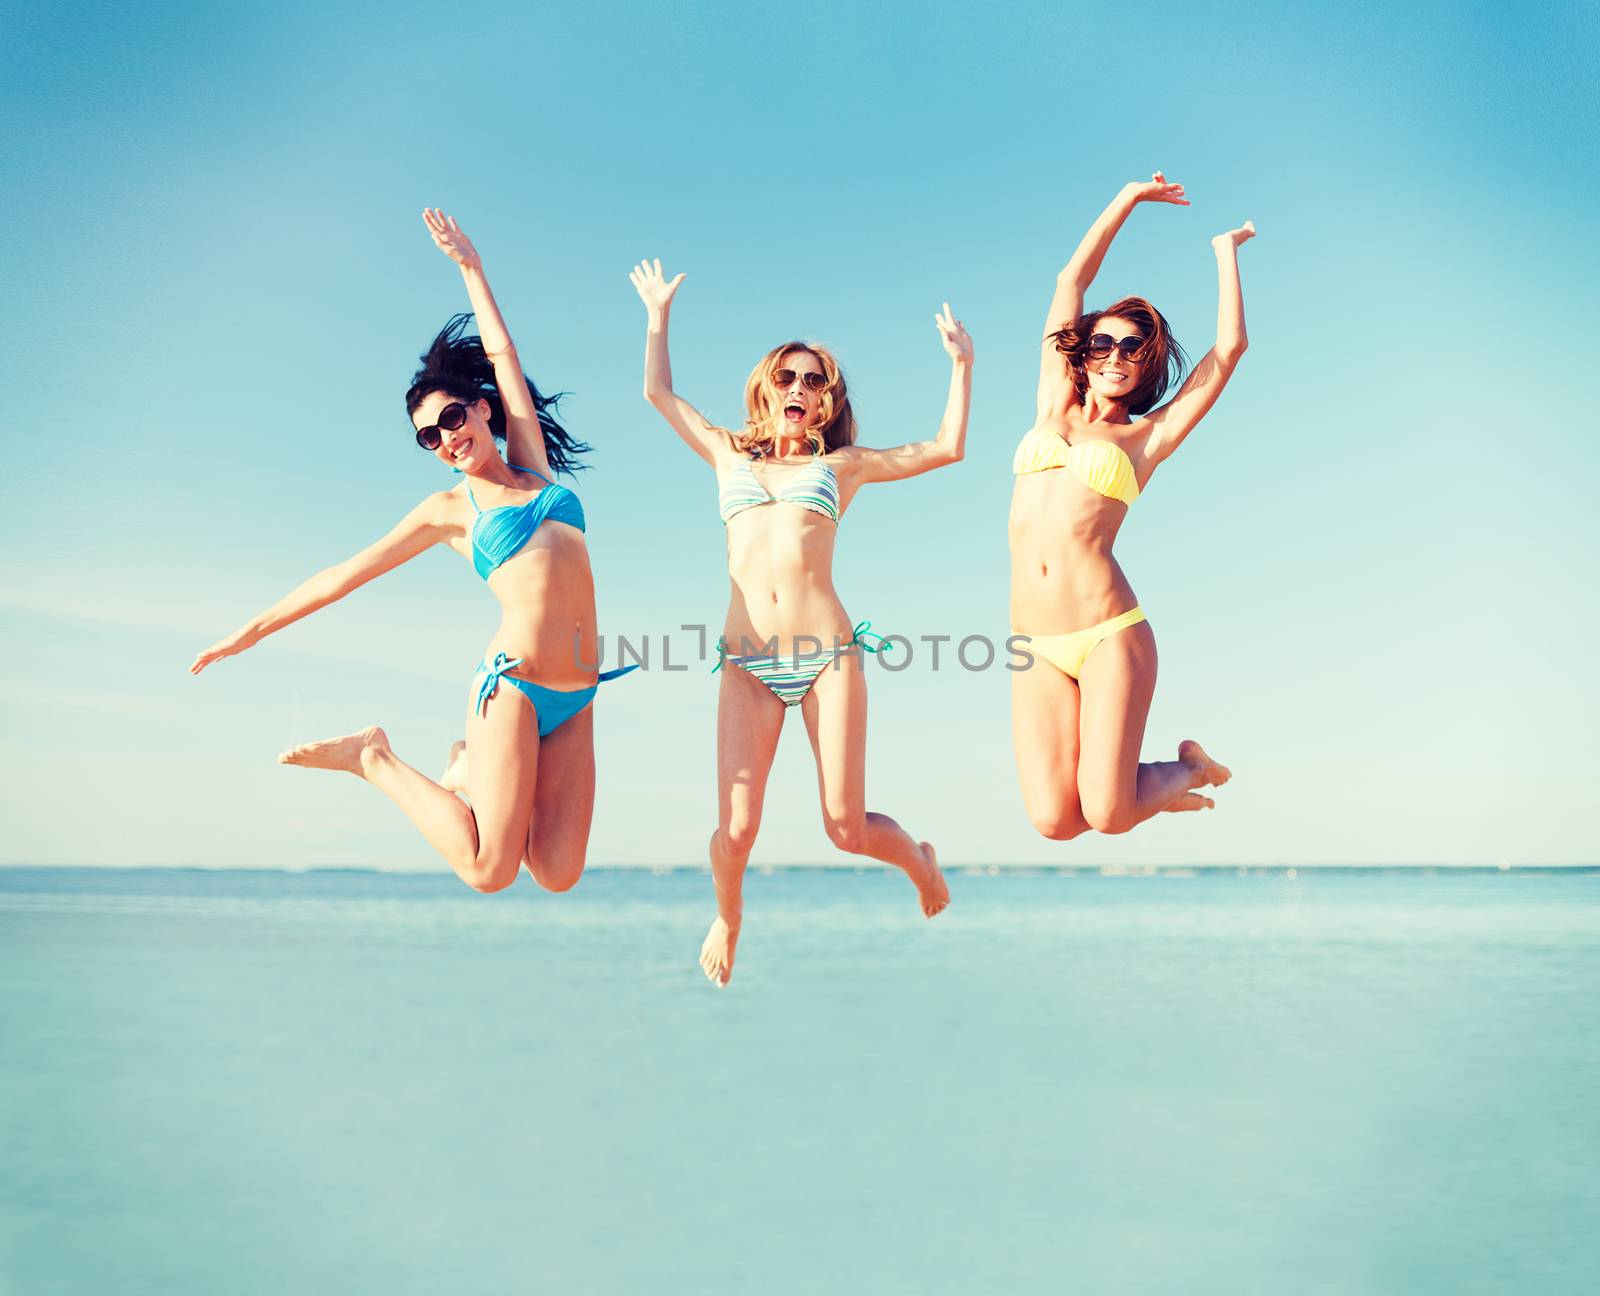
point(1067, 652)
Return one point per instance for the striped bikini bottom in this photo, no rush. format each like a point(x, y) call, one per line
point(791, 675)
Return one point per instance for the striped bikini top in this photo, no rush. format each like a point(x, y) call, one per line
point(499, 533)
point(812, 487)
point(1102, 466)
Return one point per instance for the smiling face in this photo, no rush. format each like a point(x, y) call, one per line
point(1111, 375)
point(800, 398)
point(468, 447)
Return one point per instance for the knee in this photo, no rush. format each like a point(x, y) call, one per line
point(1059, 825)
point(847, 832)
point(490, 872)
point(1054, 812)
point(557, 874)
point(1109, 816)
point(739, 835)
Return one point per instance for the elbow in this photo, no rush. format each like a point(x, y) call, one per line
point(1231, 352)
point(656, 395)
point(330, 585)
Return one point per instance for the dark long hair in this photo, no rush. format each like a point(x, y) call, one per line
point(455, 363)
point(1161, 359)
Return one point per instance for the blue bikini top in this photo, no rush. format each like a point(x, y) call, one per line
point(500, 533)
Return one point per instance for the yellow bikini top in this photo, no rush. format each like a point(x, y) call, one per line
point(1102, 466)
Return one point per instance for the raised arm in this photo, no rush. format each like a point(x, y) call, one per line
point(424, 526)
point(524, 436)
point(1174, 420)
point(950, 443)
point(656, 291)
point(1074, 278)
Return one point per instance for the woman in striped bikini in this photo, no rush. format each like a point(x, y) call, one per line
point(784, 481)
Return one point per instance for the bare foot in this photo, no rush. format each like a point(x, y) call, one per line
point(348, 753)
point(1208, 772)
point(1188, 801)
point(454, 778)
point(1235, 237)
point(932, 889)
point(716, 955)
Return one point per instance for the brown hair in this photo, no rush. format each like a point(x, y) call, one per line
point(764, 414)
point(1161, 360)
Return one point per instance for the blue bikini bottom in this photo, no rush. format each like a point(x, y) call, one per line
point(551, 707)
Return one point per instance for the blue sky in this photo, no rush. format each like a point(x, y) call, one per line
point(1368, 571)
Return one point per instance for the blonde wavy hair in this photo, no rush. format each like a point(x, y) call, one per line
point(764, 412)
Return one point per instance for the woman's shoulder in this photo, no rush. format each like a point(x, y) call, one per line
point(440, 508)
point(446, 502)
point(726, 450)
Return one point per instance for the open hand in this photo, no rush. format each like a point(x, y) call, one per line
point(654, 288)
point(953, 333)
point(1156, 189)
point(234, 644)
point(1234, 237)
point(449, 239)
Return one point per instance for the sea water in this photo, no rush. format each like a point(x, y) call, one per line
point(223, 1082)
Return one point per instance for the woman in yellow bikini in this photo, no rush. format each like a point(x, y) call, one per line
point(1078, 713)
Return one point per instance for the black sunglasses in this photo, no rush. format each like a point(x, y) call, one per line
point(786, 377)
point(1103, 344)
point(452, 418)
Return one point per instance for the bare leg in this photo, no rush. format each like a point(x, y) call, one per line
point(1044, 734)
point(482, 843)
point(722, 940)
point(835, 712)
point(563, 804)
point(749, 720)
point(438, 815)
point(1116, 684)
point(1045, 705)
point(454, 778)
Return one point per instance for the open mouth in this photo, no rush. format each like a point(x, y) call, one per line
point(461, 451)
point(795, 412)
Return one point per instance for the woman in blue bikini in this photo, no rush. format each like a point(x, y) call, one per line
point(531, 777)
point(784, 480)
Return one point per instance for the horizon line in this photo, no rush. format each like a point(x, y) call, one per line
point(1104, 870)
